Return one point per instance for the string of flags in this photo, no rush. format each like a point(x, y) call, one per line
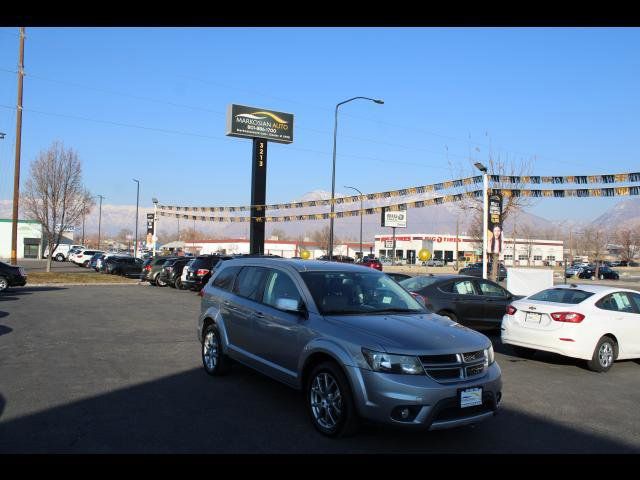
point(436, 187)
point(544, 193)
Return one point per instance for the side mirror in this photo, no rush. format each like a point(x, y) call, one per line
point(291, 305)
point(419, 298)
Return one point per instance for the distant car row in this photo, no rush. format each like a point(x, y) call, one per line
point(589, 272)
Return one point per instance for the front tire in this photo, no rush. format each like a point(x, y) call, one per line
point(330, 401)
point(4, 284)
point(449, 315)
point(59, 258)
point(215, 362)
point(604, 355)
point(179, 284)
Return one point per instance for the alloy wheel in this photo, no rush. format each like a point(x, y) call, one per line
point(3, 284)
point(605, 355)
point(210, 350)
point(326, 401)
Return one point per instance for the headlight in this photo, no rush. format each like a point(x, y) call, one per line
point(489, 357)
point(386, 362)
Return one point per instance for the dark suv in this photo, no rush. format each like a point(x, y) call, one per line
point(172, 270)
point(11, 276)
point(127, 266)
point(199, 272)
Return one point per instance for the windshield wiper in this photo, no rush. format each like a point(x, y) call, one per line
point(397, 310)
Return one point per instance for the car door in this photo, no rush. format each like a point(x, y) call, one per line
point(280, 335)
point(241, 306)
point(619, 315)
point(465, 300)
point(495, 302)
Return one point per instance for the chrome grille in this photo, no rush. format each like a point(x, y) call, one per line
point(454, 367)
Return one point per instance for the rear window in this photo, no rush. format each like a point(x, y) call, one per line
point(226, 278)
point(417, 283)
point(561, 295)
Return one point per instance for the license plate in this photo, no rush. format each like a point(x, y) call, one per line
point(471, 397)
point(533, 317)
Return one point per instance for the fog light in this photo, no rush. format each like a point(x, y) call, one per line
point(405, 413)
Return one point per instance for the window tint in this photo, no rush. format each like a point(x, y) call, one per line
point(226, 277)
point(250, 282)
point(635, 298)
point(561, 295)
point(462, 287)
point(617, 302)
point(279, 285)
point(417, 283)
point(489, 289)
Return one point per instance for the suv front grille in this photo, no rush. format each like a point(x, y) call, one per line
point(454, 367)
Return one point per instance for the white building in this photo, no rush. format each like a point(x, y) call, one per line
point(283, 248)
point(528, 252)
point(29, 244)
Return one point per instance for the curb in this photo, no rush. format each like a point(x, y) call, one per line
point(74, 284)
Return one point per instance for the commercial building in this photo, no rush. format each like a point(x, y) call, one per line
point(528, 252)
point(29, 239)
point(283, 248)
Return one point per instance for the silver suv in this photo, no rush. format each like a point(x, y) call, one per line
point(357, 344)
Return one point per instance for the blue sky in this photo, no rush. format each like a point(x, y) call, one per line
point(568, 98)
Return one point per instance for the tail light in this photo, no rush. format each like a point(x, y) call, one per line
point(147, 268)
point(511, 310)
point(568, 317)
point(201, 272)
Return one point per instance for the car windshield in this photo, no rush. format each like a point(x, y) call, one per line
point(344, 293)
point(561, 295)
point(417, 283)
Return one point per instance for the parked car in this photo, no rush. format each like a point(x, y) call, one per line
point(172, 271)
point(398, 277)
point(468, 300)
point(11, 276)
point(61, 253)
point(338, 258)
point(433, 263)
point(199, 271)
point(151, 271)
point(356, 342)
point(475, 270)
point(603, 273)
point(126, 266)
point(83, 258)
point(93, 262)
point(595, 323)
point(372, 263)
point(185, 271)
point(571, 271)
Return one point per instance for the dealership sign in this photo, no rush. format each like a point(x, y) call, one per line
point(394, 219)
point(253, 122)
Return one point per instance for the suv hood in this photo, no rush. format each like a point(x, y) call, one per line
point(414, 334)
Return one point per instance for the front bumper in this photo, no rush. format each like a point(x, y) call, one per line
point(435, 405)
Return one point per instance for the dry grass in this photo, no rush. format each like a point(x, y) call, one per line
point(80, 277)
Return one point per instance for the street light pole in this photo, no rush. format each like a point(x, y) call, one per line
point(100, 220)
point(485, 219)
point(155, 221)
point(333, 171)
point(361, 197)
point(135, 247)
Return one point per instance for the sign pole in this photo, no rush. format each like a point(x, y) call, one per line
point(393, 254)
point(258, 196)
point(485, 222)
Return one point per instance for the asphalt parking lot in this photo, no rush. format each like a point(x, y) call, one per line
point(116, 369)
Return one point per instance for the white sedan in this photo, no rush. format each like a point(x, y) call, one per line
point(591, 322)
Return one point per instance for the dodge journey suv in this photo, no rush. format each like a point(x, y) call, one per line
point(356, 343)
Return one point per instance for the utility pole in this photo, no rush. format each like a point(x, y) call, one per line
point(16, 172)
point(137, 203)
point(84, 208)
point(99, 220)
point(457, 239)
point(513, 262)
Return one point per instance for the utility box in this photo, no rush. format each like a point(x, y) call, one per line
point(527, 281)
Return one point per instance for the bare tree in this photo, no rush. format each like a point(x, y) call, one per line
point(595, 244)
point(322, 237)
point(498, 168)
point(629, 241)
point(54, 193)
point(280, 234)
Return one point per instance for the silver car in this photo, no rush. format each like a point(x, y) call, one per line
point(357, 344)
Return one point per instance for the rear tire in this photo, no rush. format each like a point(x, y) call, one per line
point(604, 355)
point(160, 283)
point(59, 258)
point(4, 284)
point(332, 410)
point(179, 284)
point(523, 352)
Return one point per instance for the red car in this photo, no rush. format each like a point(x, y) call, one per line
point(372, 262)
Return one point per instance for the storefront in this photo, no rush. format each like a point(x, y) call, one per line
point(30, 240)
